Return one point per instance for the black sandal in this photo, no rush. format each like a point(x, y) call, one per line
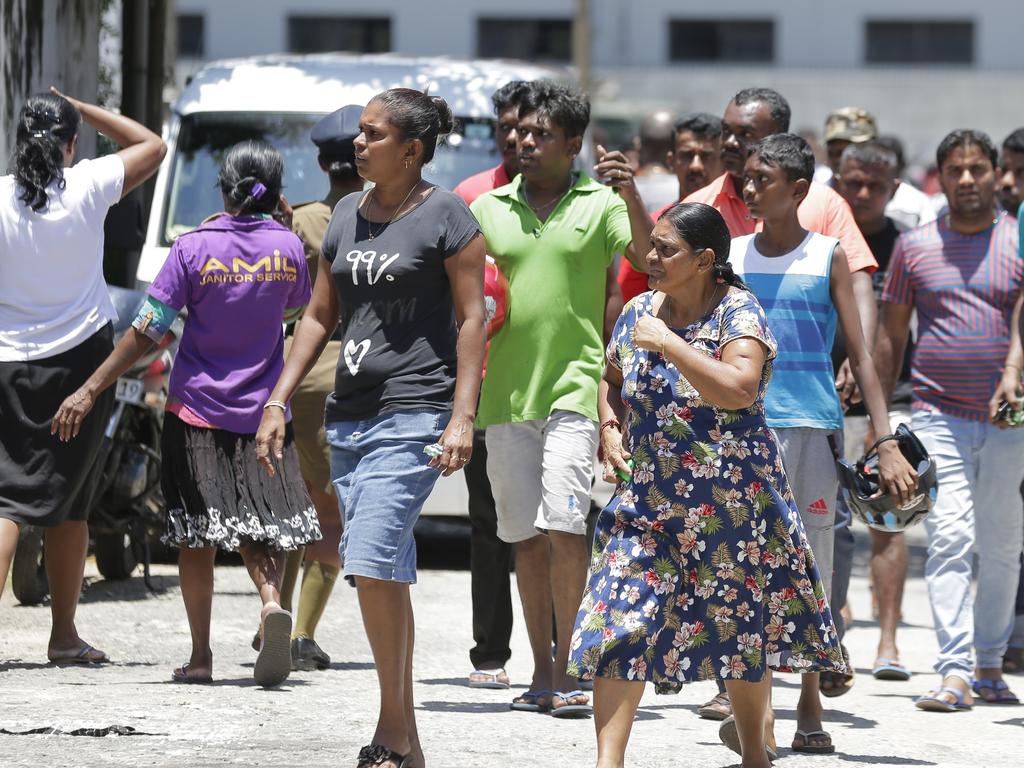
point(373, 755)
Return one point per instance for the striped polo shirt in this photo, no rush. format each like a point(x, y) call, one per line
point(963, 288)
point(796, 294)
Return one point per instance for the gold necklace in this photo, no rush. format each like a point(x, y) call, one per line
point(549, 203)
point(373, 199)
point(707, 307)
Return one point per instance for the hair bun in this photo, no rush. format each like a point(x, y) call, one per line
point(446, 122)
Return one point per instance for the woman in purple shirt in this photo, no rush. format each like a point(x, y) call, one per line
point(239, 275)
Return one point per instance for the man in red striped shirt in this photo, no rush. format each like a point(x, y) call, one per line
point(963, 275)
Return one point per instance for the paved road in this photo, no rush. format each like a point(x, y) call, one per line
point(322, 718)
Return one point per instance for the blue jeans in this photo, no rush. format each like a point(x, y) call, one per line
point(980, 469)
point(382, 478)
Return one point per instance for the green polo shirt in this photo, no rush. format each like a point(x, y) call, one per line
point(549, 354)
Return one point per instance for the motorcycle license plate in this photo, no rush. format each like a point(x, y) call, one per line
point(130, 391)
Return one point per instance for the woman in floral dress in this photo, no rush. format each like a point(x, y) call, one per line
point(701, 566)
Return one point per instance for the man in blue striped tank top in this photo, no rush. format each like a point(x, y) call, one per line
point(803, 281)
point(963, 275)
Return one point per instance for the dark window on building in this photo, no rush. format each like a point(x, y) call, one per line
point(721, 40)
point(530, 39)
point(919, 42)
point(191, 36)
point(322, 34)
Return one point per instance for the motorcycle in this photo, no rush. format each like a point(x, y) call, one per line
point(126, 505)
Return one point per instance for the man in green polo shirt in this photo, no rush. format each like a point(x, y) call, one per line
point(554, 233)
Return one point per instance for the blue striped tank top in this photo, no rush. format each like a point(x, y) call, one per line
point(795, 293)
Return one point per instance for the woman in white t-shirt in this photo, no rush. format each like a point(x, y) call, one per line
point(55, 328)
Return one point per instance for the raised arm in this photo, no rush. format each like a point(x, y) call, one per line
point(141, 149)
point(613, 169)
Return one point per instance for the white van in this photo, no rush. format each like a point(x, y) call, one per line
point(279, 99)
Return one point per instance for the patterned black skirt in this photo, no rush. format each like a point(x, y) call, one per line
point(218, 495)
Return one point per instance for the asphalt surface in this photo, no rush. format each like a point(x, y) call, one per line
point(322, 718)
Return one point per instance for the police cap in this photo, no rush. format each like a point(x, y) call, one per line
point(334, 134)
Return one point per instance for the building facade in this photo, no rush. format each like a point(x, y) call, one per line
point(922, 68)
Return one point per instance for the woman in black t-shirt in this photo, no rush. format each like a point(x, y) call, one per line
point(402, 266)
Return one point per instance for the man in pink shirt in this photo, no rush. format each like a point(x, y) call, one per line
point(506, 106)
point(753, 114)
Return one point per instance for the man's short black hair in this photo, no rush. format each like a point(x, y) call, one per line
point(700, 124)
point(563, 105)
point(778, 107)
point(965, 137)
point(509, 95)
point(1015, 141)
point(789, 152)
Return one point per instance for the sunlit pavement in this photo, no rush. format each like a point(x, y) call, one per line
point(323, 718)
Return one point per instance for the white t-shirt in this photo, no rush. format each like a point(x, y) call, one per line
point(52, 293)
point(657, 190)
point(910, 207)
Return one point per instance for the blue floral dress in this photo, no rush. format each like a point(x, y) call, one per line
point(701, 568)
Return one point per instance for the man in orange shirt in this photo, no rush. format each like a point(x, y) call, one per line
point(753, 114)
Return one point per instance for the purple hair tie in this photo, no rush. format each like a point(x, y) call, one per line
point(257, 190)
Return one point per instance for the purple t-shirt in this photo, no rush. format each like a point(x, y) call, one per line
point(236, 276)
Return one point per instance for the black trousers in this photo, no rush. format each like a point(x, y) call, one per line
point(490, 563)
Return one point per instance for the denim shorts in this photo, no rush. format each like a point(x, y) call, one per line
point(382, 479)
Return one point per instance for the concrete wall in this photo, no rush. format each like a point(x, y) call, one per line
point(44, 43)
point(819, 48)
point(809, 33)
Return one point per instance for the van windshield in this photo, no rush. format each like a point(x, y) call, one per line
point(205, 137)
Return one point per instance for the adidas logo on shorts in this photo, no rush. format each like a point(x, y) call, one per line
point(818, 508)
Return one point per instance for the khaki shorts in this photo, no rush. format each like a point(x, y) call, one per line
point(308, 417)
point(540, 473)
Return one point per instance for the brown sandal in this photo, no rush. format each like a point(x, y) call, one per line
point(719, 708)
point(181, 675)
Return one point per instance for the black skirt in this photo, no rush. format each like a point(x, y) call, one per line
point(218, 495)
point(42, 480)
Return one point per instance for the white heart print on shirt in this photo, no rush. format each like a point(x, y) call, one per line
point(354, 354)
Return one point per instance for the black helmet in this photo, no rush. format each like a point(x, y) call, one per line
point(859, 483)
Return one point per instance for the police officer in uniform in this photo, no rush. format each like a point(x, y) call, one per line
point(333, 136)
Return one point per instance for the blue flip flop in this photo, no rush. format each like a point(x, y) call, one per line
point(570, 710)
point(931, 702)
point(527, 702)
point(1003, 694)
point(890, 669)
